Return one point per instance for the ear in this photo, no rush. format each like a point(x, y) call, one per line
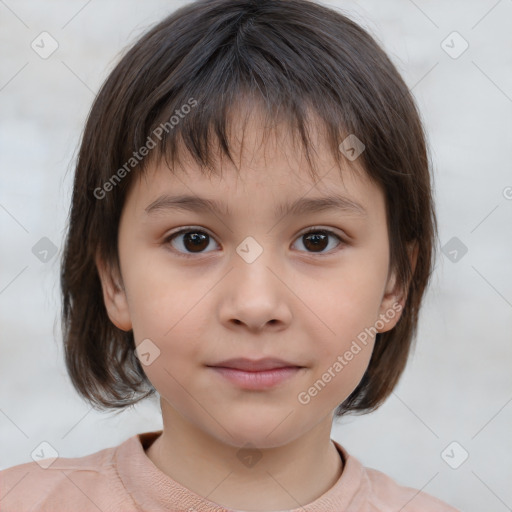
point(114, 296)
point(395, 297)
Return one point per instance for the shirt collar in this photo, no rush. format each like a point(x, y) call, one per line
point(151, 489)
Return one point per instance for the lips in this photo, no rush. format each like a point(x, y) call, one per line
point(255, 365)
point(256, 374)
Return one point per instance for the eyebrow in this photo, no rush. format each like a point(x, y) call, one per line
point(298, 207)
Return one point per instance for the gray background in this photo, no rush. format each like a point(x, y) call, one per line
point(458, 384)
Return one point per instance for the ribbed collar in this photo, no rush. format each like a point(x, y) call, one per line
point(154, 491)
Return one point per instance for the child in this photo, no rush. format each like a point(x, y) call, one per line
point(296, 299)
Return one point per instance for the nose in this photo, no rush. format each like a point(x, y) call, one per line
point(255, 295)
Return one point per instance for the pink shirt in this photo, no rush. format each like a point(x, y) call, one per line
point(124, 479)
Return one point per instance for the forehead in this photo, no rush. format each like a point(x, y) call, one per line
point(271, 169)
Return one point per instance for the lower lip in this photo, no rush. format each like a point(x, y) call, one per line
point(256, 380)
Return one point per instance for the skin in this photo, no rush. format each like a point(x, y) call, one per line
point(292, 302)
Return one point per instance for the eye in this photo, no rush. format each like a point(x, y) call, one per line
point(317, 239)
point(192, 241)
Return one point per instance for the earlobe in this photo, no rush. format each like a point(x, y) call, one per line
point(391, 306)
point(114, 296)
point(395, 296)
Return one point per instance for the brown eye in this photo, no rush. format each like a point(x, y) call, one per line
point(193, 241)
point(317, 240)
point(188, 241)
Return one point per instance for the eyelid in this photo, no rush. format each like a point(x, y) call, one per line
point(330, 229)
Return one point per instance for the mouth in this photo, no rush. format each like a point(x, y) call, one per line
point(256, 374)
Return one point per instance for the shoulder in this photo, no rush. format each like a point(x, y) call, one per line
point(386, 494)
point(82, 483)
point(374, 491)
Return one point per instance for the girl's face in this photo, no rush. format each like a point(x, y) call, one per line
point(246, 282)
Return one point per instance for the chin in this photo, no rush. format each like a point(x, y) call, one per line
point(258, 434)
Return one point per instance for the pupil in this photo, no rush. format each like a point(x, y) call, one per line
point(197, 239)
point(317, 240)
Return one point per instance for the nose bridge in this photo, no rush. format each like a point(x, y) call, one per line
point(254, 294)
point(253, 261)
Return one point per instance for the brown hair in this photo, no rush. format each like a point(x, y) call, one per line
point(180, 82)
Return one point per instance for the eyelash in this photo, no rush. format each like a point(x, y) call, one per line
point(192, 229)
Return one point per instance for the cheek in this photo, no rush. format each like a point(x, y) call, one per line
point(340, 362)
point(346, 308)
point(164, 308)
point(344, 304)
point(160, 295)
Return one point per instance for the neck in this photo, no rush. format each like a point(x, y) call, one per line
point(278, 478)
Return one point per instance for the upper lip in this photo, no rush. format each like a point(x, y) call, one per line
point(254, 365)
